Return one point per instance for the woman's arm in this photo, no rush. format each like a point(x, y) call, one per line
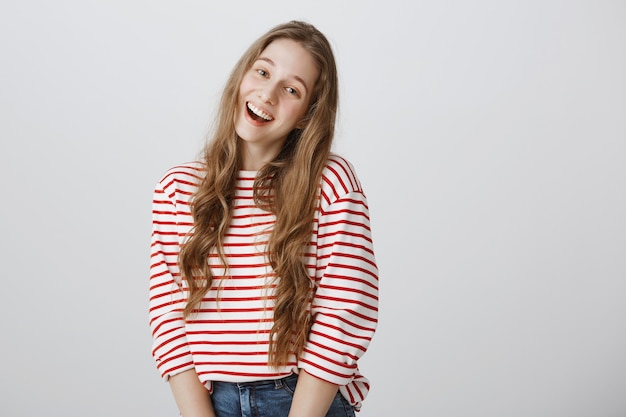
point(170, 220)
point(313, 396)
point(344, 308)
point(191, 396)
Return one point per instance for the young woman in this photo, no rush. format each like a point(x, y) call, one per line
point(264, 287)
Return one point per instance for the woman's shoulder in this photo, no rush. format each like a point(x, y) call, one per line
point(339, 177)
point(184, 175)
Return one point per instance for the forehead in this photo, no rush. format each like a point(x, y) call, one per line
point(289, 59)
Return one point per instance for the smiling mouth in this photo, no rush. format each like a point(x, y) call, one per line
point(258, 114)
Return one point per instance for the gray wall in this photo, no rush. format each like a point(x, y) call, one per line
point(490, 138)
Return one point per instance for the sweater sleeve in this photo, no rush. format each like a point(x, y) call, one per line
point(345, 305)
point(167, 299)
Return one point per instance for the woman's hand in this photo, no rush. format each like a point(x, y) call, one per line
point(312, 397)
point(191, 396)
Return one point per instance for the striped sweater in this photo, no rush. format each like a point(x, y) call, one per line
point(228, 339)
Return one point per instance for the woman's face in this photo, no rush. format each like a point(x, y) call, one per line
point(274, 96)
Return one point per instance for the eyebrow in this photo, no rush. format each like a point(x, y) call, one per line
point(269, 61)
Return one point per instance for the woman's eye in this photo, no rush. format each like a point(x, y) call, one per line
point(291, 90)
point(262, 72)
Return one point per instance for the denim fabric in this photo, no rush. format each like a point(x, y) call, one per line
point(270, 398)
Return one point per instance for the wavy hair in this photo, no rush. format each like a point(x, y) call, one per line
point(287, 186)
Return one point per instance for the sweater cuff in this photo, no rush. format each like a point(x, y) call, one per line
point(172, 355)
point(326, 369)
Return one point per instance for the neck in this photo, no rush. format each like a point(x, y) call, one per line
point(254, 157)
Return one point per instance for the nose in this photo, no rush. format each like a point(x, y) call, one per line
point(267, 93)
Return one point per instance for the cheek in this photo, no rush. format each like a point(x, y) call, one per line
point(292, 112)
point(246, 85)
point(301, 111)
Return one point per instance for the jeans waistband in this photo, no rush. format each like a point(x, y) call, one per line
point(278, 382)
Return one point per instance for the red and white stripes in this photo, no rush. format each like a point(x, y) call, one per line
point(228, 339)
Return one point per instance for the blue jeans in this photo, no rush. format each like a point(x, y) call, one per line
point(269, 398)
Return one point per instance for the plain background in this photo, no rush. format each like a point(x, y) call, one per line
point(490, 137)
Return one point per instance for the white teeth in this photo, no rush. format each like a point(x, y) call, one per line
point(259, 112)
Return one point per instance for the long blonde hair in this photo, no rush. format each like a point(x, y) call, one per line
point(287, 186)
